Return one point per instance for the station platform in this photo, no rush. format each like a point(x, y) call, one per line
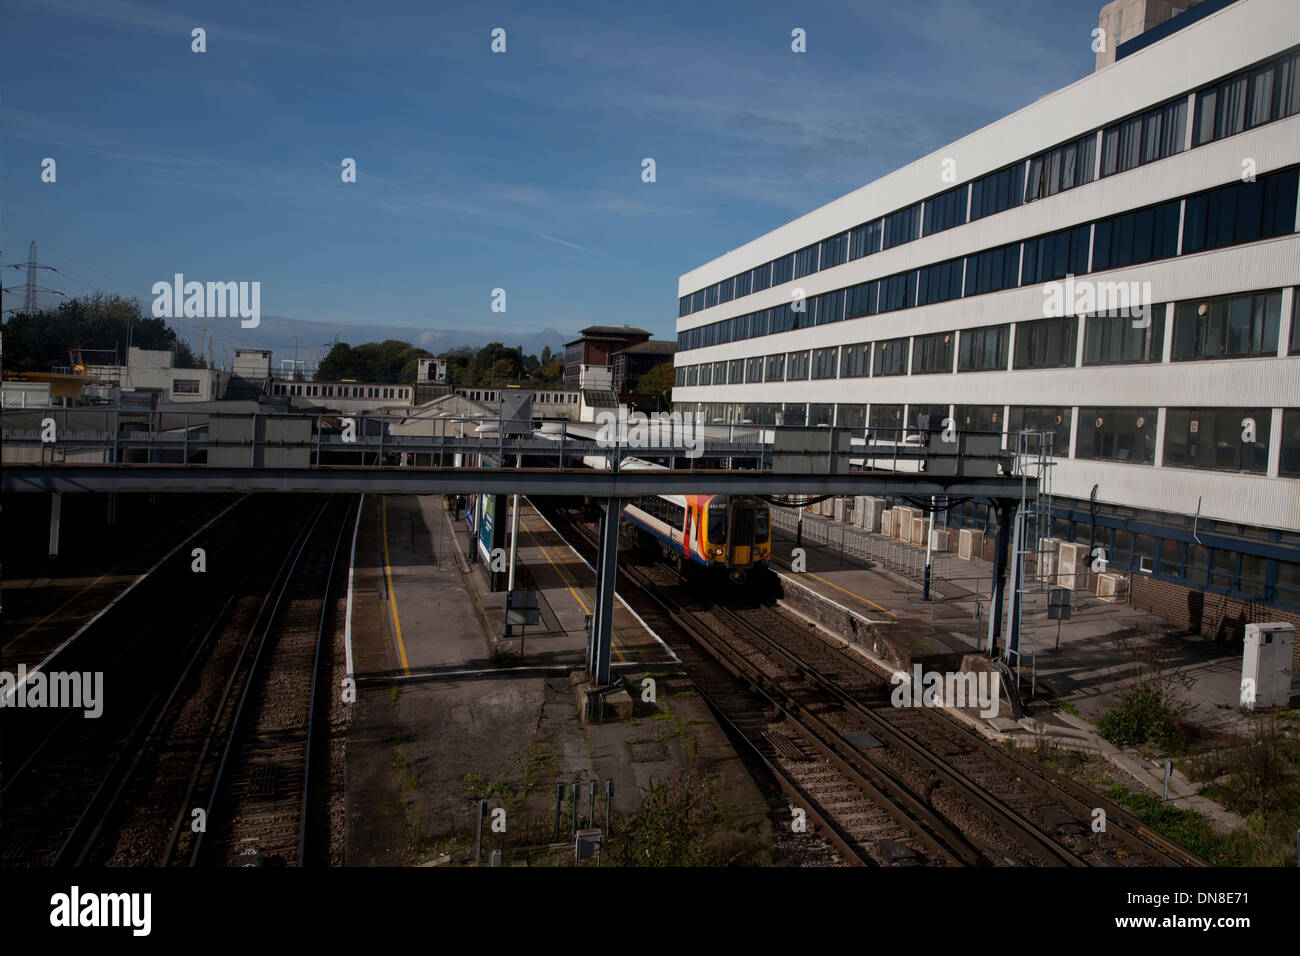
point(1078, 664)
point(440, 720)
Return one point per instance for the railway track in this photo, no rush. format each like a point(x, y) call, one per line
point(972, 803)
point(120, 792)
point(260, 799)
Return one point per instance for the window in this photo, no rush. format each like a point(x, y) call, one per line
point(939, 283)
point(776, 367)
point(1119, 340)
point(1042, 419)
point(1242, 212)
point(726, 290)
point(927, 418)
point(890, 358)
point(1142, 139)
point(946, 210)
point(829, 306)
point(1059, 254)
point(1117, 434)
point(855, 360)
point(796, 367)
point(1046, 343)
point(1295, 323)
point(1134, 237)
point(760, 277)
point(860, 300)
point(719, 373)
point(993, 269)
point(735, 371)
point(997, 191)
point(783, 269)
point(1227, 327)
point(693, 375)
point(1248, 99)
point(711, 296)
point(185, 386)
point(885, 421)
point(851, 416)
point(897, 292)
point(1062, 168)
point(835, 250)
point(754, 369)
point(1215, 438)
point(805, 261)
point(978, 418)
point(932, 353)
point(824, 362)
point(902, 226)
point(820, 415)
point(983, 350)
point(865, 240)
point(706, 374)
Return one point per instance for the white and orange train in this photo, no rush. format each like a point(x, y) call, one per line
point(714, 531)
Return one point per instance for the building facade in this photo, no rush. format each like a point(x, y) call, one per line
point(1116, 263)
point(595, 346)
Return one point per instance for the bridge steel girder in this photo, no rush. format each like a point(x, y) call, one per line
point(602, 624)
point(523, 481)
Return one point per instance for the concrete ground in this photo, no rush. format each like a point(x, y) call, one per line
point(1098, 651)
point(436, 727)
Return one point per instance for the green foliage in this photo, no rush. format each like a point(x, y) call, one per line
point(394, 361)
point(1146, 713)
point(681, 824)
point(35, 343)
point(1184, 826)
point(657, 381)
point(387, 361)
point(1257, 773)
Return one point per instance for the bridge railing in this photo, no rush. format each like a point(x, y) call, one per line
point(274, 438)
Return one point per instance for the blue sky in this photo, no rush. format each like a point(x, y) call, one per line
point(475, 170)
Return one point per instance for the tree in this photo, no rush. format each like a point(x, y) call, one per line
point(658, 381)
point(387, 361)
point(95, 322)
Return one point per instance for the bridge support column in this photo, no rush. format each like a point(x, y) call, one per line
point(1004, 509)
point(602, 624)
point(56, 513)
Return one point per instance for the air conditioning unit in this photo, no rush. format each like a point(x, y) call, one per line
point(1046, 557)
point(826, 507)
point(920, 525)
point(843, 509)
point(1112, 587)
point(939, 539)
point(903, 522)
point(1072, 566)
point(970, 544)
point(870, 515)
point(887, 523)
point(1266, 665)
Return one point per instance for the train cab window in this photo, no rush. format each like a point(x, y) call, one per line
point(760, 525)
point(718, 525)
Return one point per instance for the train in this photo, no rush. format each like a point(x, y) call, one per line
point(722, 532)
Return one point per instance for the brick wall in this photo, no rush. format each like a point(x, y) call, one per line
point(1215, 615)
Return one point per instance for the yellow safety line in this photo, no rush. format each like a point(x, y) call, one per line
point(829, 584)
point(392, 594)
point(60, 607)
point(560, 571)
